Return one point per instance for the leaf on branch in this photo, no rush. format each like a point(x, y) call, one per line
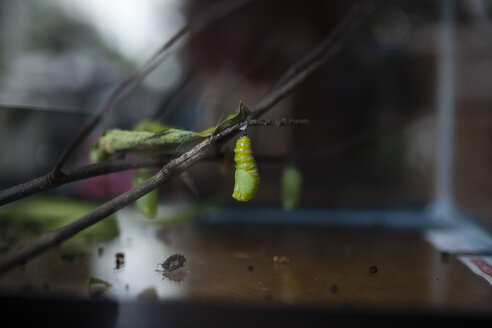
point(166, 141)
point(151, 126)
point(147, 204)
point(154, 138)
point(232, 119)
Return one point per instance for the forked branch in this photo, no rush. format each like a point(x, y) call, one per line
point(215, 13)
point(186, 160)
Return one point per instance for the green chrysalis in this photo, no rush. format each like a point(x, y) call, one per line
point(246, 177)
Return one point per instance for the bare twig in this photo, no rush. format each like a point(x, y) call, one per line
point(292, 78)
point(327, 48)
point(277, 123)
point(44, 182)
point(172, 168)
point(164, 108)
point(47, 109)
point(215, 13)
point(115, 165)
point(51, 238)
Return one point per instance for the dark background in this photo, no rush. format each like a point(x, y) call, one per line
point(372, 108)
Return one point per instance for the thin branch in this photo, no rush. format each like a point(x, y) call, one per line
point(291, 79)
point(175, 166)
point(48, 239)
point(46, 109)
point(116, 165)
point(164, 108)
point(327, 48)
point(215, 13)
point(83, 172)
point(277, 123)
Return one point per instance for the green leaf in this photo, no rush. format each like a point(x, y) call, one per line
point(93, 280)
point(291, 187)
point(153, 138)
point(147, 204)
point(167, 141)
point(231, 120)
point(151, 126)
point(48, 213)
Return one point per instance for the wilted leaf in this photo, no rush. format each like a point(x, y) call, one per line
point(155, 138)
point(142, 142)
point(151, 126)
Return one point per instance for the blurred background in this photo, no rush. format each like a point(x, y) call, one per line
point(400, 121)
point(372, 108)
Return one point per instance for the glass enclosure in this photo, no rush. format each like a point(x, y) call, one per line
point(399, 136)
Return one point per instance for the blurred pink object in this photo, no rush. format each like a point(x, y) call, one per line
point(103, 186)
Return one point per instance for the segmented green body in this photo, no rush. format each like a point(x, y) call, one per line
point(246, 177)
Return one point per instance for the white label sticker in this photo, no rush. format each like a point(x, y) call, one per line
point(455, 241)
point(481, 265)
